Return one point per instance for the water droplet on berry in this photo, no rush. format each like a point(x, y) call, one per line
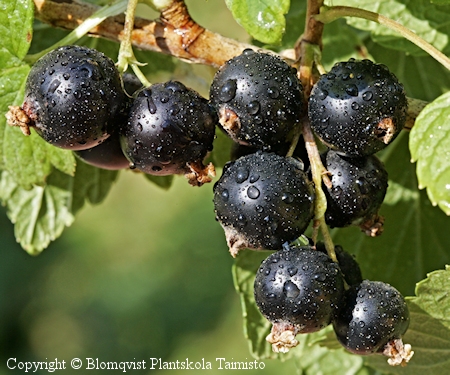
point(259, 209)
point(253, 192)
point(290, 289)
point(322, 95)
point(352, 90)
point(241, 175)
point(292, 271)
point(355, 106)
point(287, 198)
point(362, 183)
point(253, 107)
point(273, 92)
point(225, 195)
point(367, 96)
point(54, 85)
point(254, 178)
point(320, 276)
point(228, 91)
point(151, 105)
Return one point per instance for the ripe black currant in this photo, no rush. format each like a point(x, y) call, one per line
point(347, 263)
point(373, 318)
point(358, 108)
point(263, 200)
point(73, 95)
point(170, 130)
point(298, 289)
point(259, 99)
point(107, 155)
point(359, 188)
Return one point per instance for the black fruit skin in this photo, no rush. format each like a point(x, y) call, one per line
point(358, 108)
point(169, 125)
point(266, 198)
point(73, 95)
point(372, 314)
point(347, 263)
point(265, 94)
point(300, 286)
point(359, 186)
point(107, 155)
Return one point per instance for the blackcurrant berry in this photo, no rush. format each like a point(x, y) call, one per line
point(373, 318)
point(170, 130)
point(263, 200)
point(259, 99)
point(298, 289)
point(358, 108)
point(107, 155)
point(347, 263)
point(359, 186)
point(73, 96)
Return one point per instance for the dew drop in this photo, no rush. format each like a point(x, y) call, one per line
point(367, 96)
point(322, 95)
point(292, 271)
point(225, 195)
point(273, 92)
point(54, 85)
point(253, 192)
point(228, 90)
point(253, 107)
point(287, 198)
point(241, 175)
point(362, 184)
point(254, 178)
point(355, 106)
point(259, 209)
point(320, 276)
point(151, 105)
point(352, 90)
point(290, 289)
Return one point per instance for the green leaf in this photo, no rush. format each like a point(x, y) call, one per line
point(430, 148)
point(412, 72)
point(40, 214)
point(429, 330)
point(262, 19)
point(164, 182)
point(29, 159)
point(313, 358)
point(428, 21)
point(16, 28)
point(11, 92)
point(401, 256)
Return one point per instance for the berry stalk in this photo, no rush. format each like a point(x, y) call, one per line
point(330, 14)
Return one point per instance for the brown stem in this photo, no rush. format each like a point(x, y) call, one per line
point(175, 33)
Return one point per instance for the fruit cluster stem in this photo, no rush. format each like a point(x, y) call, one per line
point(164, 35)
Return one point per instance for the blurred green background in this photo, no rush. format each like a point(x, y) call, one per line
point(146, 274)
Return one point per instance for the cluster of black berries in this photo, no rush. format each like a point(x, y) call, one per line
point(265, 200)
point(76, 99)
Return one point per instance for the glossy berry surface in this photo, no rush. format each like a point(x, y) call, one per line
point(73, 95)
point(263, 200)
point(259, 99)
point(358, 108)
point(107, 155)
point(169, 126)
point(373, 313)
point(300, 286)
point(347, 263)
point(359, 186)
